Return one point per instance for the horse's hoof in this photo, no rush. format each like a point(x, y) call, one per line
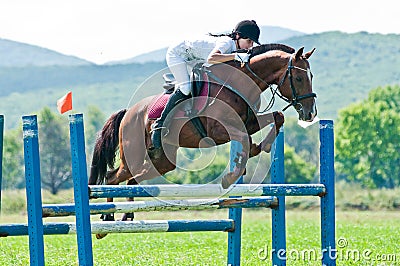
point(228, 180)
point(107, 217)
point(224, 183)
point(127, 216)
point(267, 148)
point(100, 236)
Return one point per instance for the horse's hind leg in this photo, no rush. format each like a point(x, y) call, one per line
point(129, 215)
point(109, 216)
point(114, 177)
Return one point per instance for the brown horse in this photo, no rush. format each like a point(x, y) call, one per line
point(231, 113)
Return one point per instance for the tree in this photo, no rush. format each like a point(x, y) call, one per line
point(94, 121)
point(297, 170)
point(54, 151)
point(303, 140)
point(368, 139)
point(13, 160)
point(200, 166)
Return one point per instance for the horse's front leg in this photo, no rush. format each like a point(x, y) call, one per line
point(254, 149)
point(266, 144)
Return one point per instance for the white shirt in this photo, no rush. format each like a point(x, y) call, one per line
point(198, 50)
point(185, 55)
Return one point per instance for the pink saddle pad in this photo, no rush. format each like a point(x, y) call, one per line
point(157, 106)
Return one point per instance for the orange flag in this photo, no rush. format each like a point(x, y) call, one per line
point(64, 104)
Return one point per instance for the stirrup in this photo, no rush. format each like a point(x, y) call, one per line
point(157, 128)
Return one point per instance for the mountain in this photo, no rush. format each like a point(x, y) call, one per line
point(269, 34)
point(17, 54)
point(273, 34)
point(153, 56)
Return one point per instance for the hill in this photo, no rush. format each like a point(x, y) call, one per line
point(345, 68)
point(17, 54)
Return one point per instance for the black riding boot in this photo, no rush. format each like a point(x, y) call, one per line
point(175, 98)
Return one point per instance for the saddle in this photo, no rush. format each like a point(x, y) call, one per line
point(200, 92)
point(197, 81)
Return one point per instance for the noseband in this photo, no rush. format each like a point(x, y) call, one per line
point(295, 97)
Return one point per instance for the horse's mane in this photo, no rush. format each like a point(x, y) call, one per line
point(270, 47)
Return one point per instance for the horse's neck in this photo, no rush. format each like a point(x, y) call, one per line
point(232, 75)
point(269, 67)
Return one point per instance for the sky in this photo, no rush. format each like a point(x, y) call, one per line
point(107, 30)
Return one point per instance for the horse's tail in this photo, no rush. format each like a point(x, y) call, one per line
point(105, 148)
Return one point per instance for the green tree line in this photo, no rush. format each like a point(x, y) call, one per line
point(54, 150)
point(367, 148)
point(368, 140)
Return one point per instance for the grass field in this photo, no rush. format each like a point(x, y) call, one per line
point(363, 238)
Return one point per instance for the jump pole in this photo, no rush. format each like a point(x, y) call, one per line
point(278, 214)
point(81, 196)
point(327, 177)
point(33, 189)
point(234, 237)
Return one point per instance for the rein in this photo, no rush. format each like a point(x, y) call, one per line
point(253, 106)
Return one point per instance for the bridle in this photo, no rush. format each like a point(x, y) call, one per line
point(295, 101)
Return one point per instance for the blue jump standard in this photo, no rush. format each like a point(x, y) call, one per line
point(1, 153)
point(83, 228)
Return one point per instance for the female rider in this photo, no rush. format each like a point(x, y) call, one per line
point(212, 49)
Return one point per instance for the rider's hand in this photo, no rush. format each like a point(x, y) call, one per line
point(242, 57)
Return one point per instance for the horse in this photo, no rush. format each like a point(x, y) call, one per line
point(231, 113)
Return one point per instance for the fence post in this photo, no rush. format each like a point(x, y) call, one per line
point(33, 189)
point(1, 155)
point(327, 177)
point(278, 214)
point(235, 237)
point(81, 194)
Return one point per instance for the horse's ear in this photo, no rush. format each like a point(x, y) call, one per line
point(299, 53)
point(308, 54)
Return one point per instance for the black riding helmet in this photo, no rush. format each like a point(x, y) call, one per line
point(248, 29)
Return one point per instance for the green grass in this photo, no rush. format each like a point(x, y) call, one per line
point(367, 231)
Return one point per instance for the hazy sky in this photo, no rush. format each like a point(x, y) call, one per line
point(101, 31)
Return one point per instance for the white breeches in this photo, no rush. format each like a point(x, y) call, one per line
point(179, 68)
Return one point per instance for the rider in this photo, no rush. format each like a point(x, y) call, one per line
point(209, 49)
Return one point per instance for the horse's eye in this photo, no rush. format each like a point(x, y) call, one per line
point(298, 79)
